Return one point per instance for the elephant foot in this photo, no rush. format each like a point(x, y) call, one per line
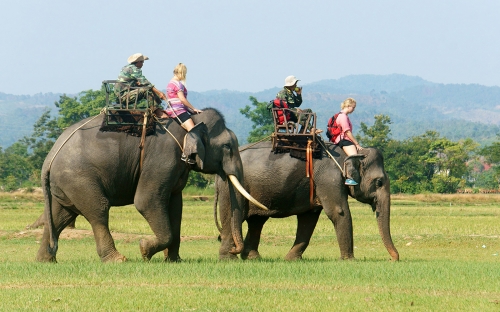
point(250, 255)
point(114, 257)
point(173, 259)
point(293, 257)
point(349, 257)
point(146, 251)
point(228, 257)
point(48, 259)
point(44, 255)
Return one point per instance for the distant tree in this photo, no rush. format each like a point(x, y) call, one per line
point(261, 118)
point(378, 135)
point(450, 158)
point(15, 166)
point(407, 165)
point(491, 154)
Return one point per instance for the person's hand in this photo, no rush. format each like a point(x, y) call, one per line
point(298, 90)
point(197, 111)
point(358, 147)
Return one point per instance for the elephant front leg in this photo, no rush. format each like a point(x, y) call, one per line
point(175, 214)
point(306, 223)
point(226, 237)
point(158, 217)
point(252, 239)
point(342, 221)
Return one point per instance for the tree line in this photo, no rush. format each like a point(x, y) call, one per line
point(424, 163)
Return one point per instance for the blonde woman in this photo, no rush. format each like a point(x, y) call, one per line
point(178, 106)
point(346, 139)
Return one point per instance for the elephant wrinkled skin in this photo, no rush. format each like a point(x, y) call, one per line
point(279, 182)
point(95, 170)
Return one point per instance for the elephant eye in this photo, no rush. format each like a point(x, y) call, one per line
point(379, 183)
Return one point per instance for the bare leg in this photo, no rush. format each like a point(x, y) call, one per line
point(188, 124)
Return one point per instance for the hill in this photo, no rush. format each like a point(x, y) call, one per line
point(414, 105)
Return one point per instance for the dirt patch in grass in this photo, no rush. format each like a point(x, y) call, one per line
point(80, 234)
point(450, 198)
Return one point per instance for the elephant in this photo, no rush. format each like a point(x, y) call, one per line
point(88, 170)
point(279, 182)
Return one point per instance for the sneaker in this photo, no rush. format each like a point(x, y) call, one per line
point(350, 182)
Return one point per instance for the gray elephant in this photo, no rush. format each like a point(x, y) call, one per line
point(88, 171)
point(279, 182)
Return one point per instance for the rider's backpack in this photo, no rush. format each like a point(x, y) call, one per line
point(277, 103)
point(333, 130)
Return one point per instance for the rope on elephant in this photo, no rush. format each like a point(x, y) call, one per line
point(330, 155)
point(262, 140)
point(57, 152)
point(164, 128)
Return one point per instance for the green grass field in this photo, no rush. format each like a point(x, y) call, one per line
point(449, 248)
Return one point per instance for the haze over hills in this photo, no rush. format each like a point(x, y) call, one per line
point(456, 111)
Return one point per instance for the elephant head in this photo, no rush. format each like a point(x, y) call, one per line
point(216, 150)
point(374, 189)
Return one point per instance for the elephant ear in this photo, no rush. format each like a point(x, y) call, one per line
point(194, 142)
point(352, 165)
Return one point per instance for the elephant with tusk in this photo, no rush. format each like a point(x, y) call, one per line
point(279, 182)
point(88, 171)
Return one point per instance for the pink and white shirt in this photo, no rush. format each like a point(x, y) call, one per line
point(176, 107)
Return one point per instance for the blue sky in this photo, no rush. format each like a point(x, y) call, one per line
point(71, 46)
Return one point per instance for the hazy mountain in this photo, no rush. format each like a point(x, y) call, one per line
point(414, 105)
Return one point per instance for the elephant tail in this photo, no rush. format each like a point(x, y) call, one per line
point(216, 199)
point(52, 248)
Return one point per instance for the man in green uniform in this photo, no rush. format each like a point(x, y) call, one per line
point(131, 76)
point(292, 95)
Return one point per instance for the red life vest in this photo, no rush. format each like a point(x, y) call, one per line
point(277, 103)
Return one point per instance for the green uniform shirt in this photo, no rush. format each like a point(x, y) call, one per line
point(130, 76)
point(293, 100)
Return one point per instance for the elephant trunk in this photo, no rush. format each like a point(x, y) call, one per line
point(383, 213)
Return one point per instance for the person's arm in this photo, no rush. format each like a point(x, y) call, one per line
point(160, 94)
point(348, 134)
point(298, 98)
point(184, 101)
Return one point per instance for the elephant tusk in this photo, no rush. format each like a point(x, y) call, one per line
point(243, 192)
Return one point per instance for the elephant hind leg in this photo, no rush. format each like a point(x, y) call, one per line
point(306, 222)
point(61, 217)
point(252, 239)
point(99, 220)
